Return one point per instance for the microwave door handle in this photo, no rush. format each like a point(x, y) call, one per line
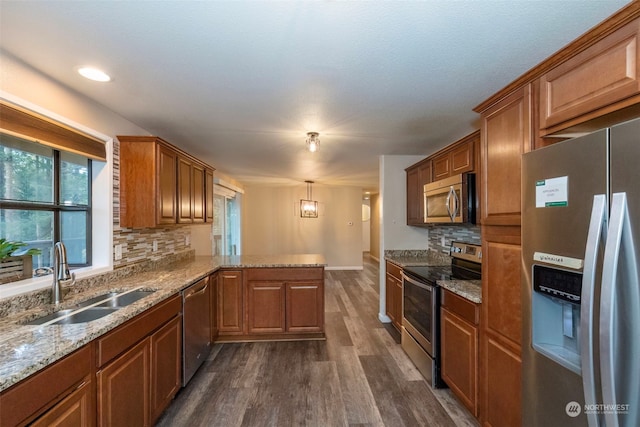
point(448, 203)
point(456, 201)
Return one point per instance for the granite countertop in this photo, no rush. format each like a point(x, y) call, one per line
point(413, 258)
point(26, 349)
point(468, 289)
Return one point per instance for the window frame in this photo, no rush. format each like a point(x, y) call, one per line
point(57, 208)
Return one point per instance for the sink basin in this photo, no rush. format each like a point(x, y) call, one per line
point(92, 309)
point(73, 316)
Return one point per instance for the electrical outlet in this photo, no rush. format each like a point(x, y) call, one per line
point(118, 252)
point(155, 246)
point(442, 242)
point(187, 240)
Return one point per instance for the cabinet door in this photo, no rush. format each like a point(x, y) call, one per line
point(198, 194)
point(166, 357)
point(208, 188)
point(166, 202)
point(597, 78)
point(506, 135)
point(305, 306)
point(462, 159)
point(123, 389)
point(213, 282)
point(73, 410)
point(397, 303)
point(390, 293)
point(459, 348)
point(501, 322)
point(185, 185)
point(265, 307)
point(441, 166)
point(414, 197)
point(230, 302)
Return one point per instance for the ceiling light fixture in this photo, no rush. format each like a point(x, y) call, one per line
point(94, 74)
point(308, 207)
point(313, 141)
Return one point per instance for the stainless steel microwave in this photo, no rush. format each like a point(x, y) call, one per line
point(451, 200)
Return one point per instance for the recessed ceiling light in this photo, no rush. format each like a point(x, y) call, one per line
point(94, 74)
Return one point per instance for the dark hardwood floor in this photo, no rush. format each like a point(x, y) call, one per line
point(359, 376)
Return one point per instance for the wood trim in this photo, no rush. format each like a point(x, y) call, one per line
point(157, 139)
point(26, 124)
point(594, 35)
point(285, 336)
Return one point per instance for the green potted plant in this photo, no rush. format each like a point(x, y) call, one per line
point(15, 262)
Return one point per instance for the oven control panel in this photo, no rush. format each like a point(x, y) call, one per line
point(467, 251)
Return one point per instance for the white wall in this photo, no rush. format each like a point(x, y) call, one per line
point(272, 225)
point(366, 227)
point(394, 231)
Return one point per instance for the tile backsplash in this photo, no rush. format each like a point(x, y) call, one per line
point(460, 233)
point(137, 244)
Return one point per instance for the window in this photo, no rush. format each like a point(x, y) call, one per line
point(45, 197)
point(226, 221)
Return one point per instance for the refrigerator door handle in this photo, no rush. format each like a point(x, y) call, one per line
point(618, 340)
point(597, 228)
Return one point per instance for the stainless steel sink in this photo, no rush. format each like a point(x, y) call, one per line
point(74, 316)
point(92, 309)
point(125, 299)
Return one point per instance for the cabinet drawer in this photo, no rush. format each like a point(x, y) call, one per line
point(603, 74)
point(394, 270)
point(285, 274)
point(130, 333)
point(462, 307)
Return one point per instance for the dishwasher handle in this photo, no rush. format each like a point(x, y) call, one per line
point(190, 293)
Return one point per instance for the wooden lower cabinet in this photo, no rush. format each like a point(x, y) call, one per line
point(123, 388)
point(265, 307)
point(393, 292)
point(61, 391)
point(459, 320)
point(305, 307)
point(501, 333)
point(166, 364)
point(230, 298)
point(74, 410)
point(265, 303)
point(213, 282)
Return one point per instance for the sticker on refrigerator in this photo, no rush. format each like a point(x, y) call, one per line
point(552, 192)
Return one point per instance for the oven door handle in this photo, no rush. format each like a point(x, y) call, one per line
point(416, 283)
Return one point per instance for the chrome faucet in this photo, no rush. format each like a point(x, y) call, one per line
point(60, 272)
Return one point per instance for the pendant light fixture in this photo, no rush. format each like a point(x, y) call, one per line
point(308, 207)
point(313, 141)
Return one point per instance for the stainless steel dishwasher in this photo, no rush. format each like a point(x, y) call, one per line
point(196, 327)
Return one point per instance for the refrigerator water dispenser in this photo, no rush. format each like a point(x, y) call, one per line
point(555, 312)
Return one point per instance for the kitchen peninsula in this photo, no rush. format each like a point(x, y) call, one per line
point(285, 289)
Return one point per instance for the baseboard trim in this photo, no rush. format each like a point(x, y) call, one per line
point(384, 318)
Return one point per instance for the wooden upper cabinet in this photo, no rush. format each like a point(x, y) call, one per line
point(185, 189)
point(160, 184)
point(166, 202)
point(208, 198)
point(417, 176)
point(601, 79)
point(506, 135)
point(456, 158)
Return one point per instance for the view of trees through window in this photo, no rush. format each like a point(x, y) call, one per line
point(44, 197)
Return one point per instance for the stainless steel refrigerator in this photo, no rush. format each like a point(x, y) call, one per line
point(581, 295)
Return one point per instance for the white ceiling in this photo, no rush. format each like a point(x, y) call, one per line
point(240, 83)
